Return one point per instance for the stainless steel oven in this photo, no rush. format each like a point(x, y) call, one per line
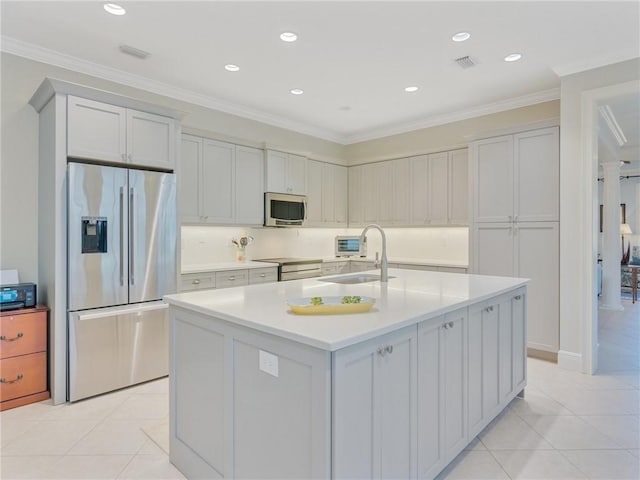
point(296, 268)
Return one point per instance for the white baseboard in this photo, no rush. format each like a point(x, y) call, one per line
point(570, 361)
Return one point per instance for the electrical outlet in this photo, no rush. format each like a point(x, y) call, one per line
point(269, 363)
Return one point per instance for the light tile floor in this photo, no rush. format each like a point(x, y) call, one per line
point(568, 426)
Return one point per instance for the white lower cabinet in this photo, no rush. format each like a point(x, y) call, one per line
point(361, 266)
point(334, 268)
point(496, 356)
point(442, 387)
point(374, 408)
point(227, 278)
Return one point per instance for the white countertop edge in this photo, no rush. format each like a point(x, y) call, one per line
point(223, 266)
point(345, 342)
point(411, 261)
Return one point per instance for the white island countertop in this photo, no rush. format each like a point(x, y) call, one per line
point(412, 296)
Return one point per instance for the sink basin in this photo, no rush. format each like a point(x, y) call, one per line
point(352, 279)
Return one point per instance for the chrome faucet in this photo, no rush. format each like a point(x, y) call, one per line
point(384, 277)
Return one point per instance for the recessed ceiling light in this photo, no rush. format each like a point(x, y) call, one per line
point(231, 67)
point(513, 57)
point(461, 36)
point(296, 91)
point(288, 37)
point(114, 9)
point(411, 89)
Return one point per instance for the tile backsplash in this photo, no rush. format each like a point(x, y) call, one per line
point(205, 245)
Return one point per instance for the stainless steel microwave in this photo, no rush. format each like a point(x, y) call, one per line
point(284, 210)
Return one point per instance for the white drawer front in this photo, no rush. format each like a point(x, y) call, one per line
point(197, 281)
point(263, 275)
point(232, 278)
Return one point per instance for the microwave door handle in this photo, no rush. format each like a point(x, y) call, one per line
point(304, 210)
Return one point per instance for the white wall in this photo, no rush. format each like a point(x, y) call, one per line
point(629, 188)
point(578, 210)
point(205, 245)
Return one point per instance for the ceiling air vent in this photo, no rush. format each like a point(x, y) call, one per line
point(134, 52)
point(465, 62)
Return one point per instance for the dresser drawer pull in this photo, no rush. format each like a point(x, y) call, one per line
point(5, 339)
point(18, 378)
point(196, 282)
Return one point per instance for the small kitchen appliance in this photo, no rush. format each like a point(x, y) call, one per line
point(350, 246)
point(19, 295)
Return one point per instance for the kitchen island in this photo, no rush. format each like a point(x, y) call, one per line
point(397, 392)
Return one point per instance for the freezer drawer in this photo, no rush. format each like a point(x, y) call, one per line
point(111, 348)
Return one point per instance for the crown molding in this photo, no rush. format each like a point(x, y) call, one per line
point(40, 54)
point(630, 53)
point(480, 110)
point(51, 57)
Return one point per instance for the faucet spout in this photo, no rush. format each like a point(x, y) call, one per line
point(384, 276)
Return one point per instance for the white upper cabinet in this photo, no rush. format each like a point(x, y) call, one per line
point(249, 186)
point(150, 140)
point(356, 199)
point(516, 177)
point(220, 183)
point(401, 209)
point(286, 173)
point(100, 131)
point(438, 188)
point(326, 194)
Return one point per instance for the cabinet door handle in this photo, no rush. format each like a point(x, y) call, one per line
point(18, 336)
point(489, 309)
point(129, 156)
point(196, 282)
point(124, 157)
point(510, 219)
point(388, 349)
point(445, 325)
point(517, 297)
point(450, 324)
point(381, 351)
point(18, 378)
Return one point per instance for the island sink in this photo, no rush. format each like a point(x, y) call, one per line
point(352, 279)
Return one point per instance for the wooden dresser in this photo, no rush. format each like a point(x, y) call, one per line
point(23, 357)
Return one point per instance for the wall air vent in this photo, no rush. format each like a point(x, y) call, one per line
point(465, 62)
point(134, 52)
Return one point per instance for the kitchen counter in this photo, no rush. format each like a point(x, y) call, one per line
point(398, 392)
point(223, 266)
point(410, 297)
point(411, 261)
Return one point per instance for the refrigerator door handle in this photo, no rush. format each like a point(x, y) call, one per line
point(131, 238)
point(121, 236)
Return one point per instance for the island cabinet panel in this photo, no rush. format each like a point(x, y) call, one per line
point(497, 356)
point(374, 407)
point(442, 391)
point(198, 427)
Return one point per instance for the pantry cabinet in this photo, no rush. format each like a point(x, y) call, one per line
point(220, 183)
point(442, 391)
point(99, 131)
point(326, 194)
point(515, 231)
point(517, 177)
point(374, 408)
point(286, 173)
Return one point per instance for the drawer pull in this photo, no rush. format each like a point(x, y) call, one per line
point(518, 297)
point(231, 279)
point(262, 275)
point(5, 339)
point(196, 282)
point(18, 378)
point(489, 309)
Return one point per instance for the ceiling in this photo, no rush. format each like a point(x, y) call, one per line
point(352, 59)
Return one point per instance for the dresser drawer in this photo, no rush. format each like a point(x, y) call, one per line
point(197, 281)
point(232, 278)
point(23, 375)
point(263, 275)
point(23, 333)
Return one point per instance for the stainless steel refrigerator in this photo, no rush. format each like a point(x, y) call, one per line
point(121, 261)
